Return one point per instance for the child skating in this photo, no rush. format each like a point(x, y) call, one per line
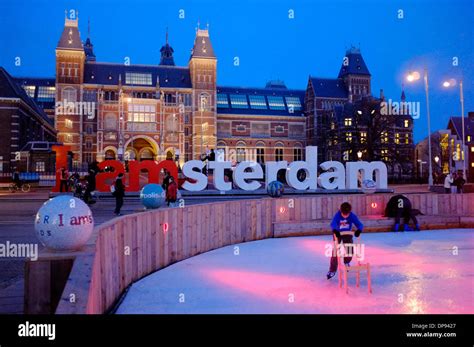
point(341, 226)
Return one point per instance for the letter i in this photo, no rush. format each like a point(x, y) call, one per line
point(60, 220)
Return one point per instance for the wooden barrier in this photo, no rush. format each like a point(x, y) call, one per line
point(130, 247)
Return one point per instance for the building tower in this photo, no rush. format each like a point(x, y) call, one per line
point(203, 70)
point(355, 74)
point(70, 58)
point(167, 53)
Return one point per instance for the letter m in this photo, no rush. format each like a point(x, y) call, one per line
point(367, 171)
point(153, 170)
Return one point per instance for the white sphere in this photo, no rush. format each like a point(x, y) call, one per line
point(64, 223)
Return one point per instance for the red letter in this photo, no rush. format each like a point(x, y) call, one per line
point(101, 185)
point(61, 161)
point(153, 172)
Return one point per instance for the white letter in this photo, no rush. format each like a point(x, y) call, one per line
point(201, 179)
point(240, 175)
point(218, 167)
point(310, 166)
point(367, 169)
point(338, 176)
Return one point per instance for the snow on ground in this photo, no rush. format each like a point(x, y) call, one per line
point(425, 272)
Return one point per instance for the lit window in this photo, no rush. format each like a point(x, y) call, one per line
point(406, 123)
point(384, 137)
point(468, 138)
point(138, 78)
point(238, 101)
point(397, 138)
point(222, 101)
point(240, 127)
point(333, 125)
point(407, 139)
point(40, 166)
point(472, 149)
point(279, 129)
point(349, 137)
point(276, 102)
point(30, 90)
point(363, 137)
point(141, 113)
point(68, 123)
point(348, 122)
point(384, 153)
point(68, 138)
point(472, 164)
point(257, 102)
point(293, 102)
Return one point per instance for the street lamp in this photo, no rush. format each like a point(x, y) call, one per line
point(411, 77)
point(448, 84)
point(359, 155)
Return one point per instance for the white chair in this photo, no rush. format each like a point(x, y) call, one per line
point(343, 269)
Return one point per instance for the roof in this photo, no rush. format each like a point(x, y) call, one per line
point(10, 89)
point(354, 64)
point(260, 101)
point(70, 38)
point(468, 126)
point(202, 45)
point(108, 74)
point(329, 87)
point(38, 82)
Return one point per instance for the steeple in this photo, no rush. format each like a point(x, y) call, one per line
point(88, 46)
point(353, 64)
point(167, 53)
point(403, 97)
point(202, 44)
point(70, 38)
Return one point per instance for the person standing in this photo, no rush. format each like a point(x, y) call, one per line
point(166, 180)
point(459, 183)
point(453, 185)
point(119, 193)
point(171, 192)
point(63, 177)
point(448, 180)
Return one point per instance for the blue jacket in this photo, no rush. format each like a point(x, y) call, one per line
point(344, 225)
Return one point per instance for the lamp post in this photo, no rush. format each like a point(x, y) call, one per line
point(421, 167)
point(411, 77)
point(359, 155)
point(448, 84)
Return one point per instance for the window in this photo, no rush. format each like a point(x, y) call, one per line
point(68, 123)
point(186, 99)
point(222, 101)
point(141, 113)
point(138, 78)
point(279, 129)
point(384, 137)
point(468, 138)
point(407, 139)
point(40, 166)
point(88, 144)
point(347, 122)
point(260, 155)
point(30, 90)
point(333, 125)
point(384, 154)
point(349, 137)
point(68, 138)
point(240, 154)
point(258, 102)
point(204, 102)
point(278, 154)
point(397, 138)
point(472, 149)
point(293, 103)
point(238, 101)
point(276, 103)
point(406, 123)
point(89, 129)
point(240, 127)
point(363, 137)
point(69, 95)
point(297, 154)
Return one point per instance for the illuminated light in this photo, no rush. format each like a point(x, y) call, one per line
point(374, 205)
point(282, 209)
point(359, 111)
point(165, 227)
point(446, 84)
point(410, 78)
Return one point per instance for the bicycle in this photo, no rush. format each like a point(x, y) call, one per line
point(14, 187)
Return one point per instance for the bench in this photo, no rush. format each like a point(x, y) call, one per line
point(371, 224)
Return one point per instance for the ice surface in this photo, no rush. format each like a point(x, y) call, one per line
point(412, 272)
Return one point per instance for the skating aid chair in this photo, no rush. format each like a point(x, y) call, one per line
point(343, 270)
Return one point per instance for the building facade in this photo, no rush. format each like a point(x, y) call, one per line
point(140, 112)
point(455, 126)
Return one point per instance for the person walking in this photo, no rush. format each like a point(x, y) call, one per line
point(448, 180)
point(118, 193)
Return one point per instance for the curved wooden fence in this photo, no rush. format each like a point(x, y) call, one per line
point(130, 247)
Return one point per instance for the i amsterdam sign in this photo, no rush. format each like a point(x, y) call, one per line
point(245, 174)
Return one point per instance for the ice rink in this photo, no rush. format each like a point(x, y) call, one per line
point(412, 272)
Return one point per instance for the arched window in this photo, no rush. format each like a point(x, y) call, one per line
point(279, 151)
point(260, 152)
point(204, 102)
point(298, 152)
point(241, 150)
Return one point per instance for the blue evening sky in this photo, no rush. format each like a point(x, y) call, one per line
point(269, 44)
